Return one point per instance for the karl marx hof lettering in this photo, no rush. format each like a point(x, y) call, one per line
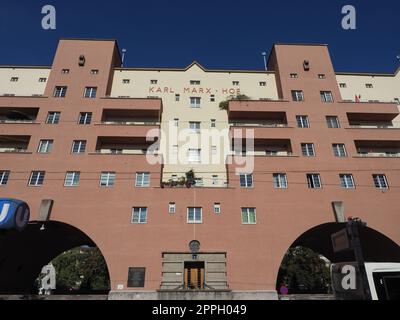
point(170, 90)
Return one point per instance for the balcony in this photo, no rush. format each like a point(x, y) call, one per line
point(263, 147)
point(123, 146)
point(371, 107)
point(364, 120)
point(18, 115)
point(130, 117)
point(252, 109)
point(14, 144)
point(377, 148)
point(149, 104)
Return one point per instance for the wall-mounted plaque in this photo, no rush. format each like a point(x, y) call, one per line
point(136, 277)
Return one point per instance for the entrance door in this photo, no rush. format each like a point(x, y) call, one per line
point(194, 275)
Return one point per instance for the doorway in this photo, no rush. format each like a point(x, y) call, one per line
point(194, 275)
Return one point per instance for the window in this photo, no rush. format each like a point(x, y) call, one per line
point(45, 146)
point(198, 182)
point(339, 150)
point(78, 146)
point(177, 97)
point(14, 79)
point(248, 215)
point(246, 180)
point(107, 179)
point(194, 155)
point(65, 71)
point(280, 181)
point(302, 122)
point(171, 207)
point(326, 96)
point(213, 123)
point(42, 79)
point(4, 175)
point(53, 117)
point(321, 76)
point(212, 98)
point(314, 181)
point(346, 181)
point(380, 181)
point(369, 85)
point(262, 83)
point(294, 75)
point(332, 122)
point(214, 150)
point(194, 126)
point(195, 102)
point(142, 179)
point(36, 179)
point(308, 150)
point(85, 118)
point(60, 92)
point(139, 215)
point(235, 83)
point(153, 81)
point(195, 82)
point(126, 81)
point(72, 179)
point(214, 180)
point(194, 215)
point(94, 71)
point(217, 208)
point(343, 85)
point(297, 95)
point(90, 92)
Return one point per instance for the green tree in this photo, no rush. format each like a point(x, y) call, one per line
point(303, 271)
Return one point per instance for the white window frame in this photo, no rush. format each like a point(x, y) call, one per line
point(246, 211)
point(345, 178)
point(195, 126)
point(47, 144)
point(217, 208)
point(107, 179)
point(4, 176)
point(195, 102)
point(333, 122)
point(52, 116)
point(90, 93)
point(141, 214)
point(339, 150)
point(142, 179)
point(262, 83)
point(235, 83)
point(60, 91)
point(214, 180)
point(280, 180)
point(298, 95)
point(327, 96)
point(248, 180)
point(313, 179)
point(195, 219)
point(305, 147)
point(194, 155)
point(171, 207)
point(41, 79)
point(40, 175)
point(194, 82)
point(302, 122)
point(85, 118)
point(380, 181)
point(72, 179)
point(80, 144)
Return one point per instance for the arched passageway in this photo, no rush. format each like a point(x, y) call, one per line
point(23, 254)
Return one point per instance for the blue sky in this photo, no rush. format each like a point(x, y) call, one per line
point(219, 34)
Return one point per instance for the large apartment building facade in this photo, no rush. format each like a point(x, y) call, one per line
point(112, 147)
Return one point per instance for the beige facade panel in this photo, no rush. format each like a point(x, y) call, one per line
point(23, 81)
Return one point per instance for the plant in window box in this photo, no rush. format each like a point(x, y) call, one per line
point(182, 181)
point(223, 105)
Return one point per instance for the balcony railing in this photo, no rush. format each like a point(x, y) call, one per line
point(378, 154)
point(13, 150)
point(124, 152)
point(9, 121)
point(263, 153)
point(130, 123)
point(366, 126)
point(263, 125)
